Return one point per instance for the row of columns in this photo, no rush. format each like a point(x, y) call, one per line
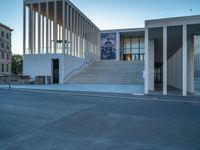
point(79, 36)
point(165, 59)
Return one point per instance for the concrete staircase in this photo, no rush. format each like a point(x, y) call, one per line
point(110, 72)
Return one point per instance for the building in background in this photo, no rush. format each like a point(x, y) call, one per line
point(5, 50)
point(60, 41)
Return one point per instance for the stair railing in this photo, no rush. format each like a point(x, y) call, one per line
point(77, 70)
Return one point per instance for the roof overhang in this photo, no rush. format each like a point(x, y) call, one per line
point(185, 20)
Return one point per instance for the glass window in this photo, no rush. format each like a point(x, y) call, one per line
point(127, 43)
point(7, 35)
point(2, 66)
point(2, 44)
point(142, 50)
point(142, 43)
point(141, 57)
point(135, 51)
point(2, 55)
point(7, 68)
point(135, 42)
point(2, 33)
point(134, 47)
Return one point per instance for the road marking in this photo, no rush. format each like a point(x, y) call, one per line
point(154, 99)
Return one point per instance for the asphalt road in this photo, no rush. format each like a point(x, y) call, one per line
point(60, 121)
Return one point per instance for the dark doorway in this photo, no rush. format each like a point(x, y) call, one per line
point(55, 67)
point(158, 73)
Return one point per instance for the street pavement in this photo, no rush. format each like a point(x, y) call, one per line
point(59, 120)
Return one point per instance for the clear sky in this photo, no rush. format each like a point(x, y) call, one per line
point(106, 14)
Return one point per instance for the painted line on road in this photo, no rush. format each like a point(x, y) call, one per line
point(154, 99)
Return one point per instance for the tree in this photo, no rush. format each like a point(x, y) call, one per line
point(17, 64)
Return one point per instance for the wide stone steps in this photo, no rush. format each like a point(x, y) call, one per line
point(110, 72)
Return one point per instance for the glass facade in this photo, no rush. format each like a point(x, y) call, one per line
point(133, 49)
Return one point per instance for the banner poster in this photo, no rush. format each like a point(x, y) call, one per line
point(108, 46)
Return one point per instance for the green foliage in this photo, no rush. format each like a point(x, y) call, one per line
point(17, 64)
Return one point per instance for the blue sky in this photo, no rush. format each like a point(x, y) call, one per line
point(106, 14)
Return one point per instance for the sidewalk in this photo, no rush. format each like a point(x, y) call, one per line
point(126, 89)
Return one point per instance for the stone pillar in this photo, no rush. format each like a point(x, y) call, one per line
point(43, 50)
point(190, 65)
point(47, 27)
point(71, 11)
point(118, 46)
point(34, 33)
point(165, 60)
point(39, 28)
point(151, 65)
point(63, 26)
point(50, 38)
point(146, 79)
point(74, 37)
point(67, 23)
point(24, 28)
point(184, 62)
point(55, 26)
point(31, 29)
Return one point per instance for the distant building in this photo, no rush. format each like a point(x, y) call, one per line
point(5, 50)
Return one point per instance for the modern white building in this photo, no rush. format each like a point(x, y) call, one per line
point(61, 42)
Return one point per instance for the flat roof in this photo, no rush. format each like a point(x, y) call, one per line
point(173, 21)
point(6, 27)
point(124, 30)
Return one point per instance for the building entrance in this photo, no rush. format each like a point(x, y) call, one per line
point(55, 72)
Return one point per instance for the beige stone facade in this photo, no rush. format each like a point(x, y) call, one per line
point(5, 50)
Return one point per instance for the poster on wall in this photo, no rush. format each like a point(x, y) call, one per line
point(108, 46)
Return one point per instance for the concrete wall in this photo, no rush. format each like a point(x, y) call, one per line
point(41, 65)
point(71, 63)
point(174, 70)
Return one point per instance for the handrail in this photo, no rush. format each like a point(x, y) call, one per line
point(77, 70)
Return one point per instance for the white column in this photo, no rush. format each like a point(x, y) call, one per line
point(71, 31)
point(67, 23)
point(74, 38)
point(165, 60)
point(146, 79)
point(34, 33)
point(151, 65)
point(184, 62)
point(85, 46)
point(82, 37)
point(87, 30)
point(47, 27)
point(43, 34)
point(63, 26)
point(190, 65)
point(50, 37)
point(118, 46)
point(77, 34)
point(24, 28)
point(30, 29)
point(55, 26)
point(39, 27)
